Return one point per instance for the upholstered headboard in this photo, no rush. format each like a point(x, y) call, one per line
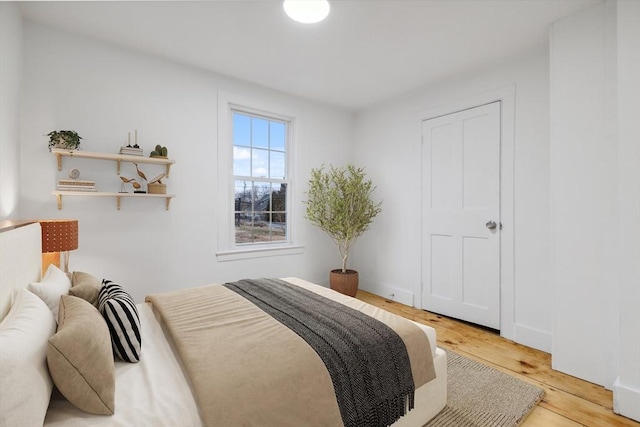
point(20, 259)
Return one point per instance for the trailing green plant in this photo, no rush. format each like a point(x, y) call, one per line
point(159, 151)
point(68, 139)
point(340, 203)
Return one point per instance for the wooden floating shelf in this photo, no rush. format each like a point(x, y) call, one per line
point(118, 158)
point(118, 196)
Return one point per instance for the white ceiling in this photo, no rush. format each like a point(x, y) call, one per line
point(364, 52)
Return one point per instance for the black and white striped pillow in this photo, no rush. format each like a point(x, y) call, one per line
point(119, 311)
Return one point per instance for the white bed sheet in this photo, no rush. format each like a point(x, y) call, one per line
point(153, 392)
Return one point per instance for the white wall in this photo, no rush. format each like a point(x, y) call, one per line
point(584, 196)
point(103, 92)
point(626, 389)
point(10, 88)
point(388, 144)
point(595, 176)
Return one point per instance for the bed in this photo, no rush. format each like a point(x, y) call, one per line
point(163, 389)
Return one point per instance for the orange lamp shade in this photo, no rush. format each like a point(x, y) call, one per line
point(58, 235)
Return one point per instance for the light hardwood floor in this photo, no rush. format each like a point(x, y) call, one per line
point(568, 401)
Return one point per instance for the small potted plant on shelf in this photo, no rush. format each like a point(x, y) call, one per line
point(340, 203)
point(160, 152)
point(64, 139)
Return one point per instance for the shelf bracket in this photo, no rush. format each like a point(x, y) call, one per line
point(167, 201)
point(118, 166)
point(59, 197)
point(59, 157)
point(168, 167)
point(118, 200)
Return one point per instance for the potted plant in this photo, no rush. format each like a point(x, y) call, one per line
point(340, 203)
point(65, 139)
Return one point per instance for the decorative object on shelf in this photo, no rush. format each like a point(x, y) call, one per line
point(65, 139)
point(74, 173)
point(160, 152)
point(155, 186)
point(58, 235)
point(141, 175)
point(135, 184)
point(131, 150)
point(340, 203)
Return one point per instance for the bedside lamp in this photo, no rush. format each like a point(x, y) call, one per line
point(58, 235)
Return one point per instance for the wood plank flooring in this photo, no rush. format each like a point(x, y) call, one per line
point(568, 401)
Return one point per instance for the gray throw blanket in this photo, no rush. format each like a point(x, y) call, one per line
point(366, 360)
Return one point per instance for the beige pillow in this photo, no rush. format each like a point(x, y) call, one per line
point(80, 358)
point(85, 286)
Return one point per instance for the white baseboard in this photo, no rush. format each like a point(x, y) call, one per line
point(626, 400)
point(532, 337)
point(389, 292)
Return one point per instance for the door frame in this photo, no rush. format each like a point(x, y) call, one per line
point(506, 95)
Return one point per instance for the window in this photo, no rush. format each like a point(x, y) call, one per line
point(260, 179)
point(255, 198)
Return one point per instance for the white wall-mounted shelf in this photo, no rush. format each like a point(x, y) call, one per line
point(118, 196)
point(118, 158)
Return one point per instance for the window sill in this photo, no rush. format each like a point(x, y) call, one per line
point(258, 252)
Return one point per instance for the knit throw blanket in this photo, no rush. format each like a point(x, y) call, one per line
point(366, 360)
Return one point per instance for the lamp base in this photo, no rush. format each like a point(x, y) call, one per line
point(49, 258)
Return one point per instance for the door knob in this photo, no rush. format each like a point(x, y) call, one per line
point(491, 225)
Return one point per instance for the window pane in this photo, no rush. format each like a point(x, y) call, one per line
point(241, 129)
point(262, 200)
point(279, 197)
point(276, 167)
point(276, 134)
point(244, 232)
point(242, 197)
point(278, 212)
point(260, 132)
point(278, 226)
point(241, 161)
point(242, 211)
point(260, 163)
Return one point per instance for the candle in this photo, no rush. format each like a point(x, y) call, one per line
point(136, 136)
point(129, 138)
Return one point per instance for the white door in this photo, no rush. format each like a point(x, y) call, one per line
point(461, 215)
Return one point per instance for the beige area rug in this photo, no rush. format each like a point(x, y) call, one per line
point(480, 396)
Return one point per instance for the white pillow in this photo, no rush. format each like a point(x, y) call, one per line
point(53, 285)
point(25, 385)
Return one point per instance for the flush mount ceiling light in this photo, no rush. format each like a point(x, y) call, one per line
point(306, 11)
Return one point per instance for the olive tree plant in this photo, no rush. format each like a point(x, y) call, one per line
point(340, 203)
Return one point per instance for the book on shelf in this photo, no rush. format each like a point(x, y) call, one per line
point(131, 151)
point(73, 188)
point(76, 183)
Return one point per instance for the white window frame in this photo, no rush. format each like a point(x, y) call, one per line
point(228, 250)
